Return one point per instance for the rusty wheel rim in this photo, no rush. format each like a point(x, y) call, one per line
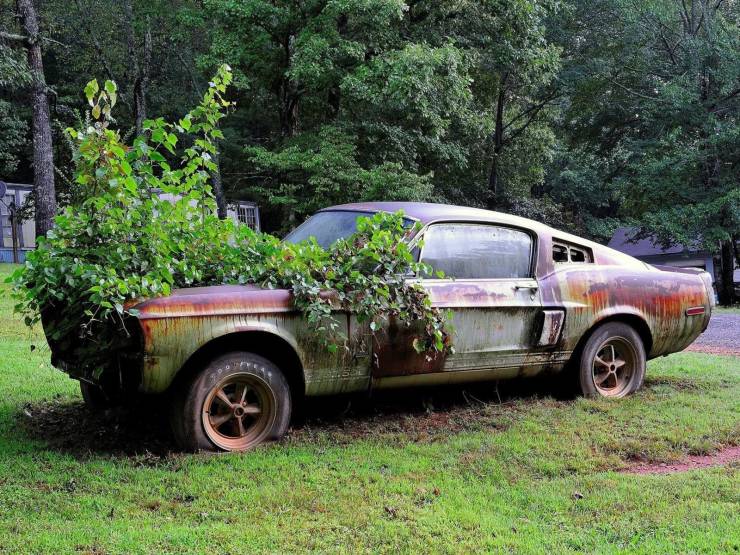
point(614, 366)
point(238, 412)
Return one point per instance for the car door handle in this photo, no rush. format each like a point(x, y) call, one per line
point(528, 287)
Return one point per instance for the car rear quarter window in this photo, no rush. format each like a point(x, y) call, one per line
point(565, 253)
point(475, 251)
point(577, 255)
point(560, 253)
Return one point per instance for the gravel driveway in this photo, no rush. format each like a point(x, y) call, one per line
point(722, 337)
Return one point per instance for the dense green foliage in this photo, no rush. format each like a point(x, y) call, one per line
point(12, 139)
point(384, 99)
point(121, 240)
point(587, 114)
point(654, 111)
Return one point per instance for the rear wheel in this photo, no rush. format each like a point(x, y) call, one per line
point(237, 402)
point(612, 362)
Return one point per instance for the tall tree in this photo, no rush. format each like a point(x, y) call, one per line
point(408, 88)
point(138, 73)
point(523, 65)
point(656, 91)
point(43, 156)
point(121, 38)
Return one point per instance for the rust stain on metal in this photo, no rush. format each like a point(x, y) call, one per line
point(394, 352)
point(222, 299)
point(459, 294)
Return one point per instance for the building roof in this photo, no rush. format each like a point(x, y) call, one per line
point(622, 240)
point(11, 187)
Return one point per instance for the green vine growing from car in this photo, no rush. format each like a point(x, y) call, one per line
point(122, 241)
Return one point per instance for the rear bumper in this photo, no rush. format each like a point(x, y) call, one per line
point(706, 277)
point(690, 299)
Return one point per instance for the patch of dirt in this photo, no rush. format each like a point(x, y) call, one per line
point(139, 431)
point(714, 349)
point(676, 383)
point(424, 421)
point(420, 415)
point(723, 457)
point(142, 433)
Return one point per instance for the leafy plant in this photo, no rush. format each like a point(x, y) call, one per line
point(146, 222)
point(366, 274)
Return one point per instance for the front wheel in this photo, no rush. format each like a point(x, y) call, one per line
point(612, 362)
point(95, 398)
point(237, 402)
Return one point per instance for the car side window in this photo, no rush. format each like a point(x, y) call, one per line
point(474, 251)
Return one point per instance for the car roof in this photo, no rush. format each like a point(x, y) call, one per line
point(427, 212)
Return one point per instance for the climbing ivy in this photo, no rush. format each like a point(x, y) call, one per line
point(145, 222)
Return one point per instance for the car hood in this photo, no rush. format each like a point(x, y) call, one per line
point(214, 300)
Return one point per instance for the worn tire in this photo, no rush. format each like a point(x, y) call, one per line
point(95, 398)
point(201, 402)
point(601, 372)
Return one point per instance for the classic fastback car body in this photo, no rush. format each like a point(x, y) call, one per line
point(525, 299)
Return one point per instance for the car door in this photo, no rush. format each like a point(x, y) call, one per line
point(493, 300)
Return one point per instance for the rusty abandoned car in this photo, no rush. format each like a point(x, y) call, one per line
point(525, 299)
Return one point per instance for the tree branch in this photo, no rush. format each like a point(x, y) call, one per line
point(519, 130)
point(187, 67)
point(97, 45)
point(634, 93)
point(685, 16)
point(12, 37)
point(714, 107)
point(534, 107)
point(729, 96)
point(25, 40)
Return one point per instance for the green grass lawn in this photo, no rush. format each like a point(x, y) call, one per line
point(727, 310)
point(445, 471)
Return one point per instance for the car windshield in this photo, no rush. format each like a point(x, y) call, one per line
point(329, 226)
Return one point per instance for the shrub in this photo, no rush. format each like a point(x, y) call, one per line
point(121, 241)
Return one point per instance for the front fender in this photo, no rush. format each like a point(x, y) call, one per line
point(170, 342)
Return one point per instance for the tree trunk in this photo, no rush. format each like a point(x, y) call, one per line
point(727, 260)
point(218, 188)
point(140, 72)
point(289, 95)
point(334, 96)
point(289, 124)
point(498, 144)
point(43, 156)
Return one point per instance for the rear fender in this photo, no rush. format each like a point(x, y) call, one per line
point(629, 315)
